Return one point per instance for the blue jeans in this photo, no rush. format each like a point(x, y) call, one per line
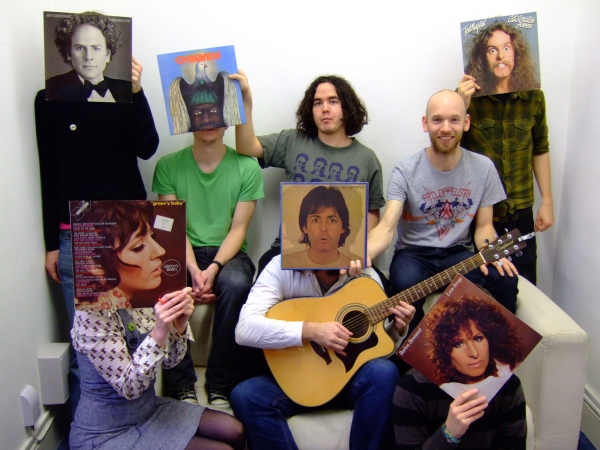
point(65, 273)
point(262, 407)
point(231, 287)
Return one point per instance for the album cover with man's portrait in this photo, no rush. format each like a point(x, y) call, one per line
point(199, 95)
point(323, 225)
point(468, 340)
point(502, 53)
point(127, 254)
point(87, 57)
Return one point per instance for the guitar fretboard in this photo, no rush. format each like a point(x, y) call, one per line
point(381, 310)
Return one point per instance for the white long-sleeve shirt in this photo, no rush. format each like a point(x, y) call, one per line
point(274, 285)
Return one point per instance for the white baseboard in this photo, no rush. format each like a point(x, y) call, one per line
point(50, 430)
point(590, 419)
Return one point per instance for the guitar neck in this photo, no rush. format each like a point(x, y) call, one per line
point(381, 310)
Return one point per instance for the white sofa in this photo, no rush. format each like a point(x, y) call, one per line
point(553, 378)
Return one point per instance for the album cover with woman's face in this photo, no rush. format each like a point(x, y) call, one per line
point(502, 53)
point(87, 57)
point(323, 225)
point(127, 254)
point(468, 340)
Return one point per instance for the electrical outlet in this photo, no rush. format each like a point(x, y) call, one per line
point(30, 403)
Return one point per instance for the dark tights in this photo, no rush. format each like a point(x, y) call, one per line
point(218, 431)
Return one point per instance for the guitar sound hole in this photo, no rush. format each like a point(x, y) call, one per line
point(357, 323)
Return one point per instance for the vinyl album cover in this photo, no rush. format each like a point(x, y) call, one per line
point(87, 57)
point(323, 225)
point(468, 340)
point(127, 254)
point(199, 94)
point(502, 53)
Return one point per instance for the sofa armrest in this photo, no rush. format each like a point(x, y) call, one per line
point(553, 375)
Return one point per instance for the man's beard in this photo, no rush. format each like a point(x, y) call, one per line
point(445, 150)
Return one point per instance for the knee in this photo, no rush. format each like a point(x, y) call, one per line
point(246, 397)
point(238, 436)
point(381, 373)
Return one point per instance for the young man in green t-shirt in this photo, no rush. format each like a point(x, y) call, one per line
point(220, 188)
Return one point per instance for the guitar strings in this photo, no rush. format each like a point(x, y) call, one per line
point(380, 310)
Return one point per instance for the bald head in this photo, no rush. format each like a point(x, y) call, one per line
point(445, 97)
point(445, 120)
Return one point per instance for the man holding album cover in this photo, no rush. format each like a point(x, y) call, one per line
point(261, 405)
point(328, 115)
point(433, 197)
point(508, 125)
point(83, 148)
point(220, 188)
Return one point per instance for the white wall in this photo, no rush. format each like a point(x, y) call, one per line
point(395, 56)
point(576, 281)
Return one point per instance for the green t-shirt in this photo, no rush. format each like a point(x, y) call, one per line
point(211, 198)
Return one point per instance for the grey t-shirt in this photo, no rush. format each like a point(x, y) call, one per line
point(438, 207)
point(309, 160)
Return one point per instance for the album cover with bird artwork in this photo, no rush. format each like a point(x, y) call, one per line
point(199, 95)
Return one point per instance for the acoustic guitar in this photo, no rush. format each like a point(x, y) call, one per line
point(312, 375)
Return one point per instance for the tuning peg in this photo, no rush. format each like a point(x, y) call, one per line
point(519, 254)
point(487, 241)
point(508, 258)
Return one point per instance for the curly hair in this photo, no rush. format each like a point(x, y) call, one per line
point(449, 317)
point(318, 199)
point(355, 112)
point(122, 219)
point(524, 74)
point(63, 33)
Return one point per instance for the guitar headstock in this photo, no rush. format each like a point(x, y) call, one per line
point(504, 246)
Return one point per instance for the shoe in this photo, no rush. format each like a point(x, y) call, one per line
point(187, 394)
point(217, 397)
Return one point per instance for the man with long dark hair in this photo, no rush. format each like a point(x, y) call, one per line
point(328, 115)
point(510, 128)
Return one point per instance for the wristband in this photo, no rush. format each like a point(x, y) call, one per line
point(449, 436)
point(219, 265)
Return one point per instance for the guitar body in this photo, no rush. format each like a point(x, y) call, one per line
point(312, 375)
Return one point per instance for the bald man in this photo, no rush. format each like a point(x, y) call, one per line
point(432, 198)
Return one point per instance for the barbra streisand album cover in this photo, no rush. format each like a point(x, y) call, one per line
point(87, 57)
point(127, 254)
point(468, 340)
point(199, 94)
point(323, 225)
point(502, 53)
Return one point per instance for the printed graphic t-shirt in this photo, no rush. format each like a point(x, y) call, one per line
point(439, 206)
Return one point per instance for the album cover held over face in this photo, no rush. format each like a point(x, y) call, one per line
point(468, 340)
point(199, 95)
point(323, 225)
point(502, 53)
point(127, 254)
point(87, 57)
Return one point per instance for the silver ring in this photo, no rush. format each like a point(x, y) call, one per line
point(499, 263)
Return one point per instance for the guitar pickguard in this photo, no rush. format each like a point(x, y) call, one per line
point(321, 351)
point(353, 350)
